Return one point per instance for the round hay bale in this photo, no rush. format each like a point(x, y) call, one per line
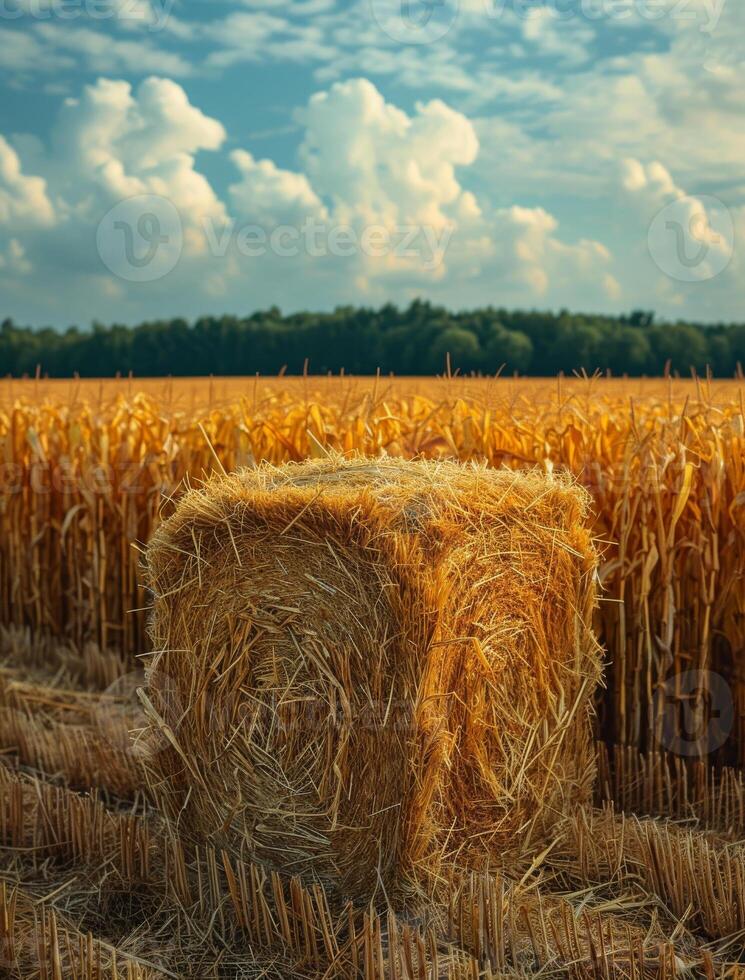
point(379, 666)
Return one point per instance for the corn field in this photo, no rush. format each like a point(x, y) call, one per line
point(649, 882)
point(87, 476)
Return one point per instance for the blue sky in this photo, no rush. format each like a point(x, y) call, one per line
point(164, 157)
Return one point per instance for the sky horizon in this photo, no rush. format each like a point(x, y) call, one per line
point(163, 159)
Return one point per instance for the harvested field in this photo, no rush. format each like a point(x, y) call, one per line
point(124, 820)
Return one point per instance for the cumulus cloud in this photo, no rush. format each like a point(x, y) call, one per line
point(535, 111)
point(23, 199)
point(268, 195)
point(380, 172)
point(384, 189)
point(683, 251)
point(377, 163)
point(122, 143)
point(653, 180)
point(525, 255)
point(121, 173)
point(380, 186)
point(680, 224)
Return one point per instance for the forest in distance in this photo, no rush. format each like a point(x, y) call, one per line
point(422, 339)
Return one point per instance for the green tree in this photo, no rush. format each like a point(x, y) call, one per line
point(415, 340)
point(628, 351)
point(463, 348)
point(682, 344)
point(512, 348)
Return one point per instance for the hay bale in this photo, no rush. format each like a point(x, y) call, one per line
point(379, 666)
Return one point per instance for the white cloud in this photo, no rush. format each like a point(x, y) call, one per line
point(371, 173)
point(690, 238)
point(612, 287)
point(653, 179)
point(13, 258)
point(546, 32)
point(633, 174)
point(263, 36)
point(23, 198)
point(379, 164)
point(535, 109)
point(368, 172)
point(267, 195)
point(373, 169)
point(25, 52)
point(125, 143)
point(112, 147)
point(150, 14)
point(62, 36)
point(300, 8)
point(662, 103)
point(526, 249)
point(103, 53)
point(127, 15)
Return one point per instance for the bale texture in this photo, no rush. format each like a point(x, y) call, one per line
point(378, 669)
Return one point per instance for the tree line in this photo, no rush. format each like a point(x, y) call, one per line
point(422, 339)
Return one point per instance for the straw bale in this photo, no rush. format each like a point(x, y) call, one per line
point(373, 667)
